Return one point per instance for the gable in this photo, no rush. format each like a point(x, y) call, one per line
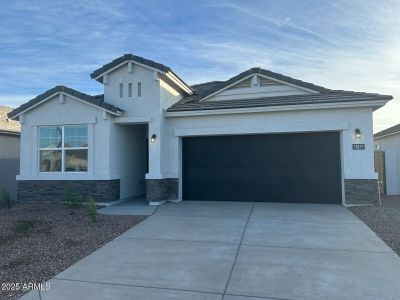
point(61, 91)
point(258, 86)
point(159, 71)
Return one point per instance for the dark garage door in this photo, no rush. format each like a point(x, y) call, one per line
point(302, 167)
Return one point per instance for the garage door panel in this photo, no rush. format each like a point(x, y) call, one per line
point(280, 167)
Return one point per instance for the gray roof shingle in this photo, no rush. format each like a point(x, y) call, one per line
point(387, 131)
point(98, 101)
point(318, 98)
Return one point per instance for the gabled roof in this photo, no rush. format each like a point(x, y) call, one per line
point(205, 89)
point(388, 131)
point(319, 95)
point(8, 126)
point(97, 101)
point(138, 59)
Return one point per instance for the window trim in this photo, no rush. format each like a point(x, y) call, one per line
point(63, 149)
point(130, 89)
point(139, 89)
point(121, 90)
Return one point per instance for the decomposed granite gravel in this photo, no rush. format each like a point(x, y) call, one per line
point(383, 220)
point(39, 240)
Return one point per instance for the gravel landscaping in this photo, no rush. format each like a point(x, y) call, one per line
point(384, 220)
point(39, 240)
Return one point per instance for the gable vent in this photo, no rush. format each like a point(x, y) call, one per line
point(265, 81)
point(243, 84)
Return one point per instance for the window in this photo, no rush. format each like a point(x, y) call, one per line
point(63, 148)
point(121, 90)
point(129, 89)
point(139, 89)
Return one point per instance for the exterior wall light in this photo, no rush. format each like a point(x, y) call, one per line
point(357, 134)
point(153, 139)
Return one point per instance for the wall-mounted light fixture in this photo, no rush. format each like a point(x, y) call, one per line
point(153, 139)
point(357, 134)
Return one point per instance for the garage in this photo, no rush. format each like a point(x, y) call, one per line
point(293, 167)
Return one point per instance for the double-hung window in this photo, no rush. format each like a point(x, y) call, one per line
point(63, 148)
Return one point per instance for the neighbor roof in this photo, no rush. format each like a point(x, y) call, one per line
point(321, 95)
point(139, 59)
point(8, 126)
point(390, 130)
point(98, 101)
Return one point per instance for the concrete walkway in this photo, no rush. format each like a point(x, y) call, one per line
point(132, 207)
point(237, 251)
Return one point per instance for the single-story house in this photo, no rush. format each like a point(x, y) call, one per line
point(10, 132)
point(258, 136)
point(387, 145)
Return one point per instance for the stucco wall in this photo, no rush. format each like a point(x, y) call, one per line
point(391, 145)
point(356, 164)
point(72, 111)
point(148, 105)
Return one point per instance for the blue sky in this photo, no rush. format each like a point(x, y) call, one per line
point(352, 45)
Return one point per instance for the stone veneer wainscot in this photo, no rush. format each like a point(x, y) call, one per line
point(54, 190)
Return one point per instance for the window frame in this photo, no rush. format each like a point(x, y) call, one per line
point(139, 89)
point(121, 90)
point(130, 88)
point(63, 149)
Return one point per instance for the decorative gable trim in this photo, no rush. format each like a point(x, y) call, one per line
point(218, 86)
point(255, 79)
point(61, 91)
point(242, 84)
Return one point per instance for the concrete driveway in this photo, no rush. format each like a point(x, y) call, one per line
point(237, 251)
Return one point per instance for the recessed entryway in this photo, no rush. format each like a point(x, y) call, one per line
point(294, 167)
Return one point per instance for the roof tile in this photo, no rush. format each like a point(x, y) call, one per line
point(60, 88)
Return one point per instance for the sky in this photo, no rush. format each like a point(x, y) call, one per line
point(350, 45)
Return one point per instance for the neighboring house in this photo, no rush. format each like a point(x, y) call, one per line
point(9, 151)
point(388, 146)
point(258, 136)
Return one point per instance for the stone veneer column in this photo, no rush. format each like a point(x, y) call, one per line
point(361, 191)
point(158, 190)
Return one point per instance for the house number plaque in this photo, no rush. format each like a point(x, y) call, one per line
point(358, 146)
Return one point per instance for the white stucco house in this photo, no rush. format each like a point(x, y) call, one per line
point(388, 143)
point(258, 136)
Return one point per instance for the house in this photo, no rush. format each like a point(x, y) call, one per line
point(387, 144)
point(258, 136)
point(9, 151)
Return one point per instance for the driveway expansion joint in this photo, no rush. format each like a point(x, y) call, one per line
point(318, 249)
point(173, 240)
point(139, 286)
point(238, 249)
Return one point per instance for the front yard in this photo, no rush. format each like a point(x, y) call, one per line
point(384, 220)
point(39, 240)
